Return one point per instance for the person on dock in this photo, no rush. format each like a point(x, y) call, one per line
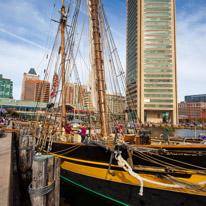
point(83, 133)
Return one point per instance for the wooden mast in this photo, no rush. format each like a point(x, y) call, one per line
point(63, 23)
point(99, 66)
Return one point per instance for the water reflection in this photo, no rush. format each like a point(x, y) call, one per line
point(156, 132)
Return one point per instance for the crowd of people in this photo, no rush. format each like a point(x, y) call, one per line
point(5, 120)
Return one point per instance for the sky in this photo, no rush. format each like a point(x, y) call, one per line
point(26, 36)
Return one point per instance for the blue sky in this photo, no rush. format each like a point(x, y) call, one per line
point(24, 39)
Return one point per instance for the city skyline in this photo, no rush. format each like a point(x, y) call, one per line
point(23, 37)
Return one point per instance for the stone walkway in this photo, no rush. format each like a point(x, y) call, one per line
point(5, 167)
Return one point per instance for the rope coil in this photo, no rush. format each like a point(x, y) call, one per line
point(40, 191)
point(123, 163)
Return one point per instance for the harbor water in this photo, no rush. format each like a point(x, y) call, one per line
point(156, 132)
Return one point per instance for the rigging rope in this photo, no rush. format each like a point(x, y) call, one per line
point(114, 54)
point(41, 142)
point(172, 166)
point(179, 161)
point(71, 149)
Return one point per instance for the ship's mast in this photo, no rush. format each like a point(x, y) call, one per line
point(99, 66)
point(63, 24)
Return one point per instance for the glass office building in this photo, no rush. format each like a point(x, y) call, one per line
point(195, 98)
point(151, 60)
point(6, 87)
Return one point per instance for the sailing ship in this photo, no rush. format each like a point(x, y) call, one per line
point(130, 173)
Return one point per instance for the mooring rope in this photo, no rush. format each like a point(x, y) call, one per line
point(123, 163)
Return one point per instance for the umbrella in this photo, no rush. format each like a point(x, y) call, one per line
point(4, 111)
point(77, 121)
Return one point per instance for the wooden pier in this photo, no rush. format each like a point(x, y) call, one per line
point(19, 171)
point(6, 169)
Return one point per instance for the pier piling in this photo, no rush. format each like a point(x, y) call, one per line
point(45, 187)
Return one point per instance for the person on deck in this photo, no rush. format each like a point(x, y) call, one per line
point(68, 129)
point(83, 133)
point(120, 131)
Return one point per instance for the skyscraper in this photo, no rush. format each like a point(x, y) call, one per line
point(34, 89)
point(151, 60)
point(27, 76)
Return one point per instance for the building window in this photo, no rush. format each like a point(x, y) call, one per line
point(158, 70)
point(158, 105)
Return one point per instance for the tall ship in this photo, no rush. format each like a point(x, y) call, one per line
point(126, 168)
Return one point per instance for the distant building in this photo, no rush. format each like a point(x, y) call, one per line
point(75, 93)
point(32, 75)
point(32, 109)
point(6, 87)
point(115, 105)
point(34, 89)
point(195, 98)
point(24, 109)
point(87, 102)
point(192, 110)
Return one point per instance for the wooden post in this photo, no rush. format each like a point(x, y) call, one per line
point(50, 196)
point(46, 169)
point(23, 143)
point(26, 152)
point(39, 178)
point(30, 151)
point(57, 164)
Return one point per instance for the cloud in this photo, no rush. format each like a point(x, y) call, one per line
point(28, 19)
point(20, 38)
point(17, 59)
point(191, 44)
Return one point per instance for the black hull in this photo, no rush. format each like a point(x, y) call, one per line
point(87, 165)
point(128, 194)
point(191, 156)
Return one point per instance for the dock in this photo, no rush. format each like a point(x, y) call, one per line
point(6, 169)
point(19, 167)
